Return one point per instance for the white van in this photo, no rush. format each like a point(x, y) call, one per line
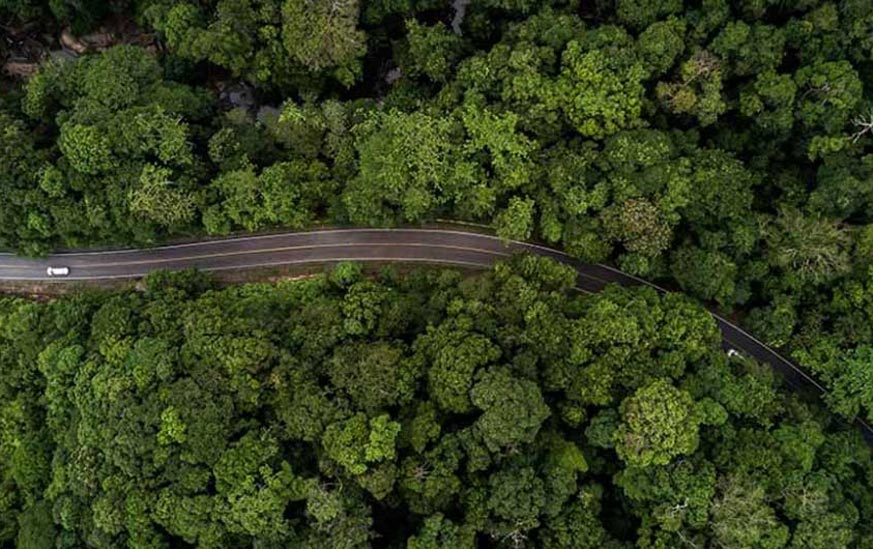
point(57, 271)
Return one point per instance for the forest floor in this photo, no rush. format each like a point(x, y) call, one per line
point(24, 47)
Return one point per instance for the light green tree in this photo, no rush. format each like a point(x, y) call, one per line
point(658, 423)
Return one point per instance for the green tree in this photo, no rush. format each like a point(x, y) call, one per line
point(659, 423)
point(829, 92)
point(375, 376)
point(254, 495)
point(676, 496)
point(512, 410)
point(769, 101)
point(438, 532)
point(36, 527)
point(86, 149)
point(639, 226)
point(433, 51)
point(698, 90)
point(249, 38)
point(641, 13)
point(285, 193)
point(812, 248)
point(578, 525)
point(661, 44)
point(750, 49)
point(516, 499)
point(357, 444)
point(323, 34)
point(710, 275)
point(406, 168)
point(601, 91)
point(741, 516)
point(851, 393)
point(516, 221)
point(124, 146)
point(455, 353)
point(158, 199)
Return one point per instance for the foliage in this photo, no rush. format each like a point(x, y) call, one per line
point(659, 423)
point(500, 408)
point(719, 147)
point(271, 43)
point(323, 34)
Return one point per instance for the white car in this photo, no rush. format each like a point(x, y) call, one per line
point(733, 352)
point(57, 271)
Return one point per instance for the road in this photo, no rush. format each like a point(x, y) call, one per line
point(428, 246)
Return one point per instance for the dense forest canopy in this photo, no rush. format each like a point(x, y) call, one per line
point(723, 148)
point(421, 410)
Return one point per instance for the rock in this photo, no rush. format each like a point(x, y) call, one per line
point(99, 40)
point(393, 75)
point(20, 69)
point(458, 18)
point(61, 55)
point(267, 114)
point(72, 43)
point(238, 95)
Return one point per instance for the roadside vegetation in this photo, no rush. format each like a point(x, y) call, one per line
point(422, 411)
point(723, 148)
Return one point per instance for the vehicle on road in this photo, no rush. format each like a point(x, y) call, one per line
point(57, 271)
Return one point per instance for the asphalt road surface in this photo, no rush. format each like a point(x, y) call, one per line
point(428, 246)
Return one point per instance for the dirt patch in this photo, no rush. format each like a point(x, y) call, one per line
point(25, 47)
point(298, 272)
point(268, 274)
point(45, 291)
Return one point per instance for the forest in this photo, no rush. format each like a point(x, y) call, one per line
point(418, 410)
point(720, 148)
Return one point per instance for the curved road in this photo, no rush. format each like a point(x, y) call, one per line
point(435, 246)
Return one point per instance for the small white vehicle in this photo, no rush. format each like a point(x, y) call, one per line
point(733, 353)
point(57, 271)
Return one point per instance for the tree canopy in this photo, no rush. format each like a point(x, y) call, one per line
point(723, 148)
point(501, 410)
